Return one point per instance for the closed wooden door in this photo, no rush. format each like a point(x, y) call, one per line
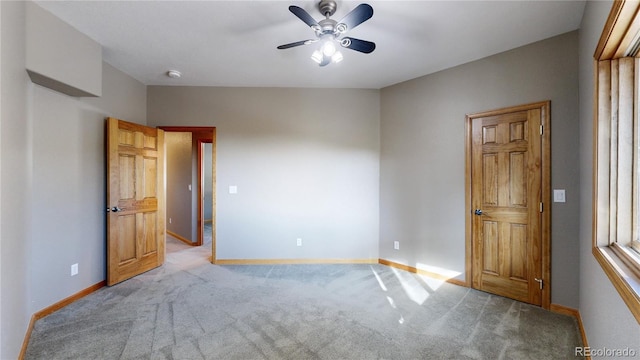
point(507, 202)
point(135, 200)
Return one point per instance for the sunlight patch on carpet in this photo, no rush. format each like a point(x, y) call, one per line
point(411, 286)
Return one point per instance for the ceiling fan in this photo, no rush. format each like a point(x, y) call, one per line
point(329, 31)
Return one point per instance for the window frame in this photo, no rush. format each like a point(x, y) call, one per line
point(616, 189)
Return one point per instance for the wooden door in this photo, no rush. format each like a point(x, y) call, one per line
point(135, 197)
point(507, 203)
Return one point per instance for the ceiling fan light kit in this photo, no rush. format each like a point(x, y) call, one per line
point(329, 31)
point(327, 50)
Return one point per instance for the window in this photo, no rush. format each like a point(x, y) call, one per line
point(616, 233)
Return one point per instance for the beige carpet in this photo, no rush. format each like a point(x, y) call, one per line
point(190, 309)
point(174, 245)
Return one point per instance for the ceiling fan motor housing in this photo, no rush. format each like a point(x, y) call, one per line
point(327, 7)
point(328, 26)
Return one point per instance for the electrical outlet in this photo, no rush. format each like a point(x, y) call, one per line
point(169, 220)
point(299, 241)
point(74, 269)
point(396, 245)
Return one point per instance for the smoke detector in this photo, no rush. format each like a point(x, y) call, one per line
point(174, 74)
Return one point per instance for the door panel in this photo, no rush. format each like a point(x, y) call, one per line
point(518, 179)
point(506, 183)
point(490, 183)
point(135, 196)
point(490, 247)
point(518, 245)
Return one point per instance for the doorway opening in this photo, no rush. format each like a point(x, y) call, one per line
point(191, 183)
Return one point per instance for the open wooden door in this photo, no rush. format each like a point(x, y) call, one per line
point(135, 200)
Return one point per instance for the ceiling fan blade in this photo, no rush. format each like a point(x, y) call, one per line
point(358, 45)
point(303, 15)
point(297, 43)
point(357, 16)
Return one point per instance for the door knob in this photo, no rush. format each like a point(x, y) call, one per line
point(115, 209)
point(478, 212)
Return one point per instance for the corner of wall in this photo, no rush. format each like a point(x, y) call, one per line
point(14, 134)
point(1, 342)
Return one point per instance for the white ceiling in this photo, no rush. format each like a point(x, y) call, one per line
point(233, 43)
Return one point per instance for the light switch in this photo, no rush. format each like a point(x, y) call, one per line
point(233, 189)
point(559, 196)
point(189, 187)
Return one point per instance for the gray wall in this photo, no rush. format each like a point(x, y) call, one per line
point(422, 154)
point(68, 185)
point(52, 183)
point(68, 220)
point(178, 155)
point(607, 320)
point(305, 162)
point(60, 57)
point(15, 182)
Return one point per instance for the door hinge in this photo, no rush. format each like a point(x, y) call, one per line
point(541, 129)
point(539, 282)
point(541, 207)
